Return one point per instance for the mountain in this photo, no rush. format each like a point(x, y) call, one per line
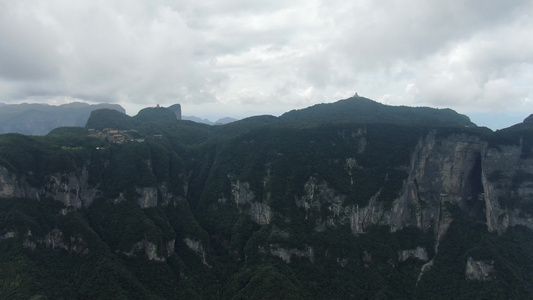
point(300, 206)
point(176, 109)
point(39, 119)
point(225, 120)
point(359, 109)
point(528, 120)
point(221, 121)
point(198, 120)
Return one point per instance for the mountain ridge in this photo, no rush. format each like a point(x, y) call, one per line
point(39, 119)
point(359, 109)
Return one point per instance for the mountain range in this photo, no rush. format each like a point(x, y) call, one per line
point(347, 200)
point(221, 121)
point(40, 119)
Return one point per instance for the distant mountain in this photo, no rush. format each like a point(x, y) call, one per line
point(363, 110)
point(197, 120)
point(225, 120)
point(39, 119)
point(528, 120)
point(206, 121)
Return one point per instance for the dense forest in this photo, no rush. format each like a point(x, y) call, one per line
point(322, 203)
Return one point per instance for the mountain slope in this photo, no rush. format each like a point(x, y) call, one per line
point(363, 110)
point(267, 208)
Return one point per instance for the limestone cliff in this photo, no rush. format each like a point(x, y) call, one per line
point(449, 170)
point(72, 189)
point(244, 199)
point(480, 270)
point(508, 187)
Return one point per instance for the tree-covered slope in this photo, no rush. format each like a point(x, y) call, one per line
point(268, 208)
point(363, 110)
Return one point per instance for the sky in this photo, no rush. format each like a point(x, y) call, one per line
point(221, 58)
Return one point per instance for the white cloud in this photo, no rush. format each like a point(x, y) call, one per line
point(269, 56)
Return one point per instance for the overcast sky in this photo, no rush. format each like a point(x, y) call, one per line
point(234, 58)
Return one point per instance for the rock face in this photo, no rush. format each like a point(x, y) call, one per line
point(147, 197)
point(443, 170)
point(176, 109)
point(419, 253)
point(197, 247)
point(480, 270)
point(152, 251)
point(242, 196)
point(56, 240)
point(508, 183)
point(72, 189)
point(286, 254)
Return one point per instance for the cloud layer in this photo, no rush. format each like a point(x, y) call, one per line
point(233, 57)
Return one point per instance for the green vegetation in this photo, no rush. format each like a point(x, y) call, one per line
point(195, 242)
point(363, 110)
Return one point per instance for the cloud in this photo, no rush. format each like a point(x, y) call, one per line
point(278, 55)
point(104, 51)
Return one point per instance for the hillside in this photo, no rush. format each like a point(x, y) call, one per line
point(363, 110)
point(321, 203)
point(39, 119)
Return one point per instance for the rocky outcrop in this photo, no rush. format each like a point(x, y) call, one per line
point(285, 254)
point(243, 197)
point(176, 109)
point(147, 197)
point(419, 253)
point(8, 235)
point(54, 240)
point(480, 270)
point(508, 183)
point(197, 247)
point(72, 189)
point(152, 251)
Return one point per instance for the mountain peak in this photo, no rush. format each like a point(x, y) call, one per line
point(364, 110)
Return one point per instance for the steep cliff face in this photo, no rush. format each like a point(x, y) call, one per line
point(480, 270)
point(508, 183)
point(197, 247)
point(245, 200)
point(444, 171)
point(72, 189)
